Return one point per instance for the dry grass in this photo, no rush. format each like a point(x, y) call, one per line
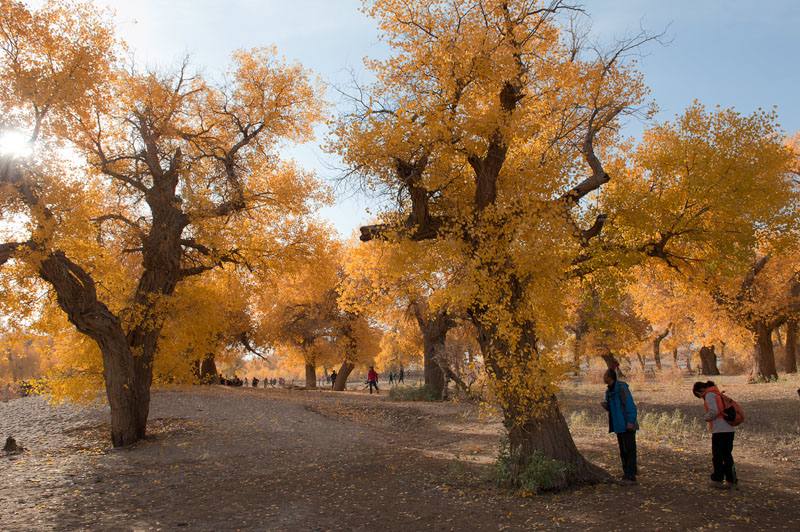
point(668, 412)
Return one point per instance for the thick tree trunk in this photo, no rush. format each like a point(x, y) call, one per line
point(548, 434)
point(118, 374)
point(675, 358)
point(208, 369)
point(311, 376)
point(763, 354)
point(433, 347)
point(77, 297)
point(689, 356)
point(434, 327)
point(791, 346)
point(342, 375)
point(708, 360)
point(143, 341)
point(542, 429)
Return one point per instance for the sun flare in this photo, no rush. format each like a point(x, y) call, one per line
point(15, 143)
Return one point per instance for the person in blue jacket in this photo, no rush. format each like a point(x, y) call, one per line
point(622, 421)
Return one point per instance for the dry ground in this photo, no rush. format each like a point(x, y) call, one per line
point(242, 459)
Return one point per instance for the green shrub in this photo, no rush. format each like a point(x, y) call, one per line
point(412, 393)
point(528, 475)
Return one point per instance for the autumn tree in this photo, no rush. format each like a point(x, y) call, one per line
point(684, 314)
point(301, 321)
point(401, 345)
point(606, 324)
point(710, 196)
point(403, 283)
point(301, 313)
point(182, 177)
point(488, 124)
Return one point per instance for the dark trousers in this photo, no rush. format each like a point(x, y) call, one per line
point(627, 451)
point(722, 457)
point(375, 384)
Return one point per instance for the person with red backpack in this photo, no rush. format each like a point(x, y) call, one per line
point(721, 418)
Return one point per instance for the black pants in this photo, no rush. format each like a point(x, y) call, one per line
point(375, 384)
point(722, 457)
point(627, 451)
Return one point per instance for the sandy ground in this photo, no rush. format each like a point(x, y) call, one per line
point(224, 459)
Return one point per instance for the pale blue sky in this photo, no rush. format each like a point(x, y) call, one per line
point(740, 53)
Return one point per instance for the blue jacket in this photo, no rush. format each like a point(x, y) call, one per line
point(618, 416)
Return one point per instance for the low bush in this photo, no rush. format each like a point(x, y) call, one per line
point(529, 475)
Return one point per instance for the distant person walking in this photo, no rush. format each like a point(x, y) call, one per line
point(333, 379)
point(391, 378)
point(721, 436)
point(372, 380)
point(400, 376)
point(622, 415)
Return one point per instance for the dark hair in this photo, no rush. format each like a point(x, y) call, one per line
point(701, 386)
point(611, 373)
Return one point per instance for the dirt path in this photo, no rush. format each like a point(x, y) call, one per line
point(236, 459)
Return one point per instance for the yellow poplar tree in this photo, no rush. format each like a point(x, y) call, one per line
point(711, 196)
point(181, 177)
point(400, 282)
point(300, 314)
point(488, 124)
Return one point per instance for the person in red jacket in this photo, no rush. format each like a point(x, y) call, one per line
point(721, 436)
point(372, 380)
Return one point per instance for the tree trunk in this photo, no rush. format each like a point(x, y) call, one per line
point(657, 347)
point(76, 295)
point(548, 434)
point(311, 376)
point(122, 398)
point(689, 362)
point(434, 327)
point(433, 347)
point(708, 360)
point(791, 346)
point(675, 358)
point(642, 361)
point(143, 340)
point(342, 375)
point(12, 364)
point(612, 363)
point(657, 357)
point(208, 369)
point(763, 354)
point(578, 345)
point(532, 430)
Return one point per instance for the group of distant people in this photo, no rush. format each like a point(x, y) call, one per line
point(395, 377)
point(236, 381)
point(622, 420)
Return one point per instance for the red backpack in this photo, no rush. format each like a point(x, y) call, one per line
point(732, 413)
